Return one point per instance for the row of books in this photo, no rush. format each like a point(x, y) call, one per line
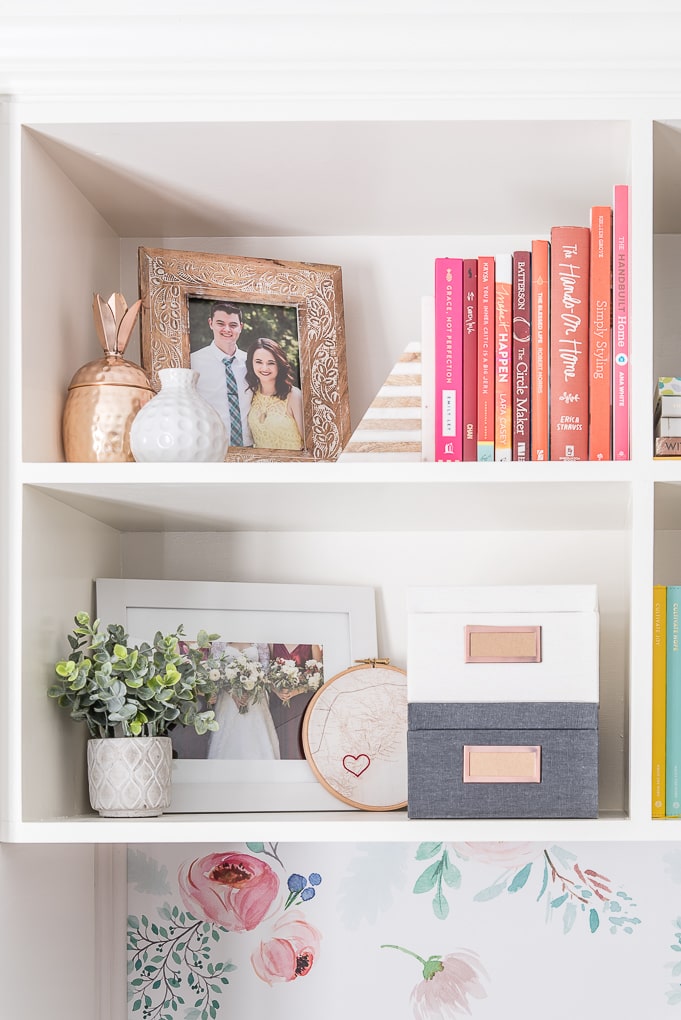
point(531, 347)
point(666, 735)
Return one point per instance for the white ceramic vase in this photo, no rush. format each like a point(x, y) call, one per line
point(178, 424)
point(129, 777)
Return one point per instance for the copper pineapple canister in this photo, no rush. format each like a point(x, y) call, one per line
point(105, 395)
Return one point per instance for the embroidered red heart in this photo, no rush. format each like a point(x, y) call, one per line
point(356, 764)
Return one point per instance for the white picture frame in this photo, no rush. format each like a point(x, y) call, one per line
point(340, 618)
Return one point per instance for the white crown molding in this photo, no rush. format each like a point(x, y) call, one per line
point(521, 50)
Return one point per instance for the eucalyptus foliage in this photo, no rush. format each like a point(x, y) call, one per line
point(144, 690)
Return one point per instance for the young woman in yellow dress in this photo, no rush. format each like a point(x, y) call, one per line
point(276, 414)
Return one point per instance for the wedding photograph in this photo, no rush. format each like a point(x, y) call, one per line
point(261, 693)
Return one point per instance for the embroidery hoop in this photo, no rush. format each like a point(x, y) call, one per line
point(365, 767)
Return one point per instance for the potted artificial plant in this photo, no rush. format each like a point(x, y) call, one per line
point(131, 697)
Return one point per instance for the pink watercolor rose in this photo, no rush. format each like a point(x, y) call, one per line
point(445, 993)
point(508, 855)
point(289, 952)
point(233, 890)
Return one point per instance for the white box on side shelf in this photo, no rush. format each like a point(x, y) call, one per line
point(503, 643)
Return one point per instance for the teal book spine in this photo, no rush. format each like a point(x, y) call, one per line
point(673, 770)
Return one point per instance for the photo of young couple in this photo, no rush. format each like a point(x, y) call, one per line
point(262, 691)
point(248, 361)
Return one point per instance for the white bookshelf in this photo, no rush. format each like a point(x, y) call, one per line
point(349, 136)
point(90, 190)
point(382, 196)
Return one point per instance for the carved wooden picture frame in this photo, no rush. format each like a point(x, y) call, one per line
point(170, 280)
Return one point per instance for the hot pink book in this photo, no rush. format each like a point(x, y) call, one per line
point(448, 359)
point(620, 322)
point(470, 359)
point(486, 327)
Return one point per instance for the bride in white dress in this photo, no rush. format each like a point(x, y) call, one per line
point(251, 735)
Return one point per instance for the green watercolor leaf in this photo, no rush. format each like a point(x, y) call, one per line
point(450, 872)
point(520, 879)
point(569, 916)
point(559, 900)
point(594, 920)
point(427, 850)
point(440, 905)
point(491, 892)
point(428, 879)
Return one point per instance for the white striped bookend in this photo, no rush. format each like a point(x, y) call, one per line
point(391, 427)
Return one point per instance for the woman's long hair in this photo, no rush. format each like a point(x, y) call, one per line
point(284, 380)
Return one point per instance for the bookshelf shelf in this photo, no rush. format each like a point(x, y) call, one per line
point(105, 185)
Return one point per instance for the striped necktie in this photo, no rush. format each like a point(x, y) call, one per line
point(236, 434)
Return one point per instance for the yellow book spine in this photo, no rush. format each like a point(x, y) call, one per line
point(659, 698)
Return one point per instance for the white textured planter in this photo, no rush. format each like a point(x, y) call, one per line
point(129, 776)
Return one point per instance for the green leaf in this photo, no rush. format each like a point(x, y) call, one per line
point(428, 879)
point(450, 872)
point(256, 848)
point(569, 917)
point(426, 850)
point(440, 905)
point(491, 892)
point(594, 920)
point(520, 879)
point(559, 900)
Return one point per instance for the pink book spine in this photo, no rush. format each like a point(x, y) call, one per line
point(486, 325)
point(448, 359)
point(621, 322)
point(470, 359)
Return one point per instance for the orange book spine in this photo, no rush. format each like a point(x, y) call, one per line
point(485, 357)
point(539, 400)
point(569, 369)
point(600, 334)
point(503, 382)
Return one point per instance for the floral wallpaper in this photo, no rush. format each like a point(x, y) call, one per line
point(431, 931)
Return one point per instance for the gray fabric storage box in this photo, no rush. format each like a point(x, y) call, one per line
point(439, 742)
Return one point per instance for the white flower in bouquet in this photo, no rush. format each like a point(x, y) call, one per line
point(313, 672)
point(286, 677)
point(245, 680)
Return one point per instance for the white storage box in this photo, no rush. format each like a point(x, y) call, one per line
point(498, 644)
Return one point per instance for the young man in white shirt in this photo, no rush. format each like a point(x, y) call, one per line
point(226, 324)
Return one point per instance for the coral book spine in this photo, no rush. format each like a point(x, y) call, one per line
point(503, 401)
point(540, 320)
point(486, 357)
point(522, 449)
point(569, 368)
point(448, 359)
point(600, 337)
point(621, 323)
point(470, 359)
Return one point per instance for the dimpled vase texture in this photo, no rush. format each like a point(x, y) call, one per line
point(129, 777)
point(178, 424)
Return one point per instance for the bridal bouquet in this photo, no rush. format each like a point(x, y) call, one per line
point(245, 680)
point(287, 678)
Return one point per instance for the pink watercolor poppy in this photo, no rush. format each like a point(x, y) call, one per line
point(445, 994)
point(233, 890)
point(448, 982)
point(507, 855)
point(289, 952)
